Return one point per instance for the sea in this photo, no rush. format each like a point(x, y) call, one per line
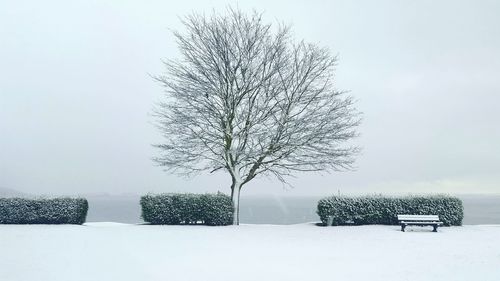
point(478, 209)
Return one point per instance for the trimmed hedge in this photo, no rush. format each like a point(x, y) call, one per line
point(43, 211)
point(384, 210)
point(187, 208)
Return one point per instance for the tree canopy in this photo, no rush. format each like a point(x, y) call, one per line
point(246, 98)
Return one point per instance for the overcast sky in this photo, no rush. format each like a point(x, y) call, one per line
point(76, 97)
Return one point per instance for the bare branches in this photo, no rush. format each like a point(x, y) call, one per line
point(247, 99)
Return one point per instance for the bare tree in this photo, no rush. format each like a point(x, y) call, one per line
point(247, 99)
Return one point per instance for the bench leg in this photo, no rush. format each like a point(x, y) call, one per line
point(403, 227)
point(435, 228)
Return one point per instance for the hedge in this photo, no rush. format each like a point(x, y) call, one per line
point(43, 211)
point(384, 210)
point(186, 208)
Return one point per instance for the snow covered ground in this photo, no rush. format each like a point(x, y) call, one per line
point(122, 252)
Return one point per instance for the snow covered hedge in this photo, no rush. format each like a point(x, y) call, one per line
point(384, 210)
point(43, 211)
point(186, 208)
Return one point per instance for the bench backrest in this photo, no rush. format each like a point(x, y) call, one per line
point(418, 217)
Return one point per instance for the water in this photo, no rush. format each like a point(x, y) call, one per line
point(478, 209)
point(481, 209)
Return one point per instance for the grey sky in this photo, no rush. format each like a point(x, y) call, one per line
point(75, 95)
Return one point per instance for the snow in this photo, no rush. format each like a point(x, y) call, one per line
point(113, 251)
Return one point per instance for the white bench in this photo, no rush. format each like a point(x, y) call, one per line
point(420, 220)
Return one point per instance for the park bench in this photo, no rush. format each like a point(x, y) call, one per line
point(420, 220)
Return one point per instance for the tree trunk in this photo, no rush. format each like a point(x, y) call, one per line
point(235, 197)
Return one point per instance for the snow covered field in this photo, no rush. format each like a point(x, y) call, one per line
point(122, 252)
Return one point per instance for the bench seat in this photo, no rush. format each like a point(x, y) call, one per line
point(421, 222)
